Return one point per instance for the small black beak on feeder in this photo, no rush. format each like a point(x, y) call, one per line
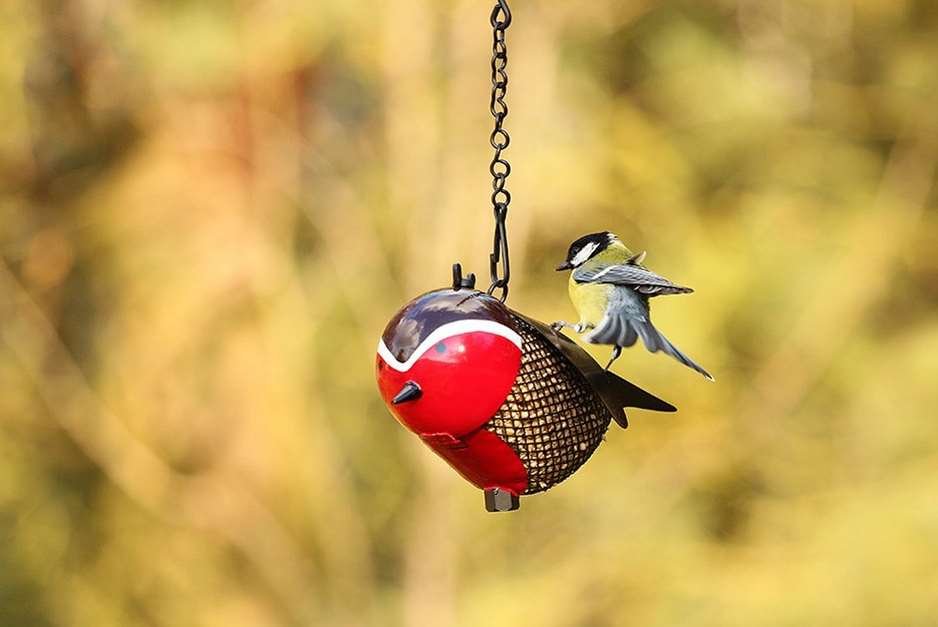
point(566, 265)
point(410, 392)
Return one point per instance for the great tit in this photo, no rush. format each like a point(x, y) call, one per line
point(610, 289)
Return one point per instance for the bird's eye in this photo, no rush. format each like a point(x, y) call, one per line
point(441, 347)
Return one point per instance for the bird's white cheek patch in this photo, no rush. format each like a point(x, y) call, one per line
point(584, 253)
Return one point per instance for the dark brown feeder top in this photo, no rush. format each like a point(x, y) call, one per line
point(421, 316)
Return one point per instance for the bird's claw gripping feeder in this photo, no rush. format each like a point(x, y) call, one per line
point(509, 403)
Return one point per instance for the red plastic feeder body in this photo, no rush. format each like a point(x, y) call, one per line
point(444, 372)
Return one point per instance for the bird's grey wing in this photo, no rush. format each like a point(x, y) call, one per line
point(625, 311)
point(627, 319)
point(634, 276)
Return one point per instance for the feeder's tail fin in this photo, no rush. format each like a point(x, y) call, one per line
point(624, 394)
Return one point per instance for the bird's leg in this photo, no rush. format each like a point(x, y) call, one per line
point(560, 325)
point(616, 351)
point(580, 327)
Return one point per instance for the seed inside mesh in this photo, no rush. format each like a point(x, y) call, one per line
point(553, 423)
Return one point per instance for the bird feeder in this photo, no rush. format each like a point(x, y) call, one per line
point(512, 405)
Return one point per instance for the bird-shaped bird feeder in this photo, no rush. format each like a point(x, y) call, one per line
point(511, 404)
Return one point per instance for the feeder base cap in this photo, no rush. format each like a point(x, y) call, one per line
point(499, 500)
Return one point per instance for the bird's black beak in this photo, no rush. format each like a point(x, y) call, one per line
point(566, 265)
point(410, 392)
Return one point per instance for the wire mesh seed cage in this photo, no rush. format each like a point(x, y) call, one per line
point(552, 419)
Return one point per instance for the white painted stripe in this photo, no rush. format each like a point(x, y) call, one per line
point(449, 329)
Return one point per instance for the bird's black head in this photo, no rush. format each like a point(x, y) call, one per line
point(586, 247)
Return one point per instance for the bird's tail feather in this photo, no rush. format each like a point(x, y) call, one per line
point(655, 341)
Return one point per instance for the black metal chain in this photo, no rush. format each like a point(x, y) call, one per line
point(499, 168)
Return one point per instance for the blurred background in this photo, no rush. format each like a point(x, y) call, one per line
point(209, 210)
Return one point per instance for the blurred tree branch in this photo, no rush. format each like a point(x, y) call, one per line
point(207, 502)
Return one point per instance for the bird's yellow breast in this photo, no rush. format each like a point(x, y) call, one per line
point(590, 300)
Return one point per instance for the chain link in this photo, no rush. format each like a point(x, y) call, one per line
point(499, 139)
